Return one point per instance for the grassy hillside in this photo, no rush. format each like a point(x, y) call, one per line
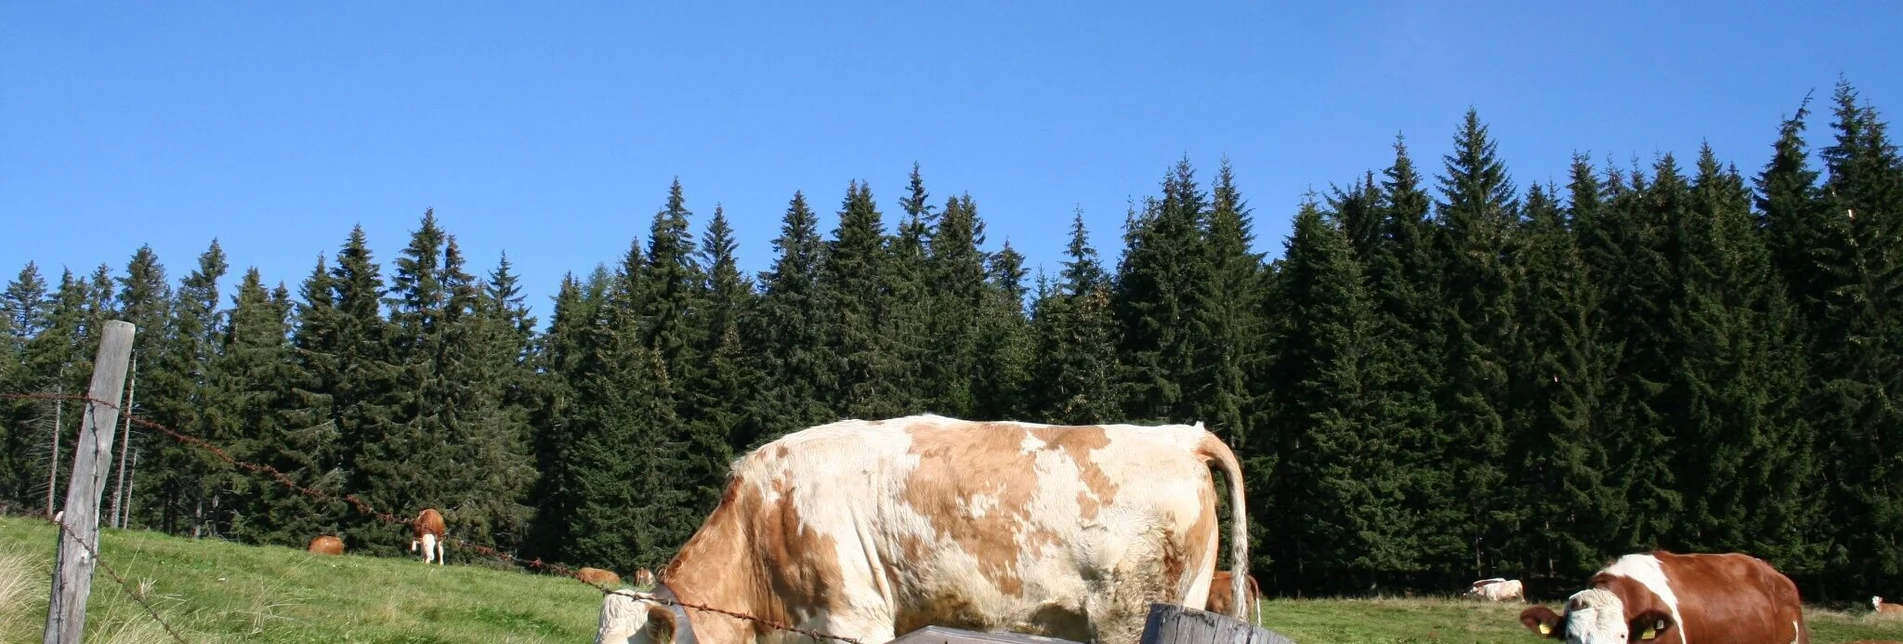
point(223, 592)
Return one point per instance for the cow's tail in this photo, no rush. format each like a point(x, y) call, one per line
point(1212, 449)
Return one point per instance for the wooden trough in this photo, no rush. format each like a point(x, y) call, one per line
point(1167, 624)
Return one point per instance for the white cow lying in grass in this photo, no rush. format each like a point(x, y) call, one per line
point(1497, 589)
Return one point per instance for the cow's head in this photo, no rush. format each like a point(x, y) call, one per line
point(1595, 616)
point(629, 617)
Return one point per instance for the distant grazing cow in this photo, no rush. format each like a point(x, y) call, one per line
point(871, 529)
point(1886, 609)
point(326, 545)
point(1688, 599)
point(644, 578)
point(1497, 589)
point(598, 577)
point(429, 531)
point(1220, 599)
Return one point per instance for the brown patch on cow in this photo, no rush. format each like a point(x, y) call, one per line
point(428, 522)
point(718, 566)
point(754, 557)
point(326, 545)
point(988, 460)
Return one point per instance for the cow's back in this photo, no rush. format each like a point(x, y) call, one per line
point(998, 526)
point(1733, 597)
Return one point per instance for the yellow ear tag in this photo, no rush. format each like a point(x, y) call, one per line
point(1649, 634)
point(1546, 629)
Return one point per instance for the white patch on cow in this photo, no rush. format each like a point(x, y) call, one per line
point(1031, 443)
point(981, 504)
point(1595, 616)
point(1645, 569)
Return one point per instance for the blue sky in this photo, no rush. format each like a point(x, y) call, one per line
point(552, 130)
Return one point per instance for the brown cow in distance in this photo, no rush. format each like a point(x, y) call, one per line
point(1220, 596)
point(598, 577)
point(1661, 597)
point(429, 530)
point(644, 578)
point(326, 545)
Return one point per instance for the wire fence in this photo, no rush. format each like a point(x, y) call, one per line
point(366, 509)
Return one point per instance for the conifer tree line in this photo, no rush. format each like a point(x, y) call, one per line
point(1445, 376)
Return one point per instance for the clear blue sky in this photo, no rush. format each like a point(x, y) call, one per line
point(552, 130)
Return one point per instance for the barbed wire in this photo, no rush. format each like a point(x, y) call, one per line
point(365, 508)
point(137, 597)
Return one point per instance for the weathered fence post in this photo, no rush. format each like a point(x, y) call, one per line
point(73, 567)
point(1173, 624)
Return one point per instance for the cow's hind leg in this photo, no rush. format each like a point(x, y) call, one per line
point(1145, 576)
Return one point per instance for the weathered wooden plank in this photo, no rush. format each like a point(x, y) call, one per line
point(73, 564)
point(943, 635)
point(1173, 624)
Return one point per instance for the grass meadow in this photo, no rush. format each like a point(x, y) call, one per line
point(214, 591)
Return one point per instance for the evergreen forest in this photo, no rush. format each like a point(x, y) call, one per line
point(1444, 376)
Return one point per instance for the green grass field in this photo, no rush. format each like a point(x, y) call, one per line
point(223, 592)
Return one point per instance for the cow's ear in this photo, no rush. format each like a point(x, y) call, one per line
point(1649, 625)
point(1541, 620)
point(660, 626)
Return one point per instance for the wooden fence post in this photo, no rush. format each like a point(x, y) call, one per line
point(1173, 624)
point(73, 567)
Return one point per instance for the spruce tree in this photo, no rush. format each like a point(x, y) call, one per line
point(1076, 361)
point(1860, 341)
point(562, 354)
point(189, 487)
point(306, 442)
point(1004, 349)
point(251, 373)
point(956, 268)
point(1157, 283)
point(624, 464)
point(1324, 478)
point(729, 379)
point(1404, 368)
point(854, 307)
point(788, 331)
point(1557, 460)
point(671, 282)
point(363, 383)
point(1224, 325)
point(908, 321)
point(1474, 223)
point(144, 299)
point(24, 315)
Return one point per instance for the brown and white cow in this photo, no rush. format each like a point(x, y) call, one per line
point(643, 578)
point(1221, 601)
point(428, 532)
point(1497, 589)
point(872, 529)
point(1884, 608)
point(326, 545)
point(1666, 597)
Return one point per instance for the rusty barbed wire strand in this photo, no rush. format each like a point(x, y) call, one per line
point(365, 508)
point(137, 597)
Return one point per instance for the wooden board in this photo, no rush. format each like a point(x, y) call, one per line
point(1173, 624)
point(943, 635)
